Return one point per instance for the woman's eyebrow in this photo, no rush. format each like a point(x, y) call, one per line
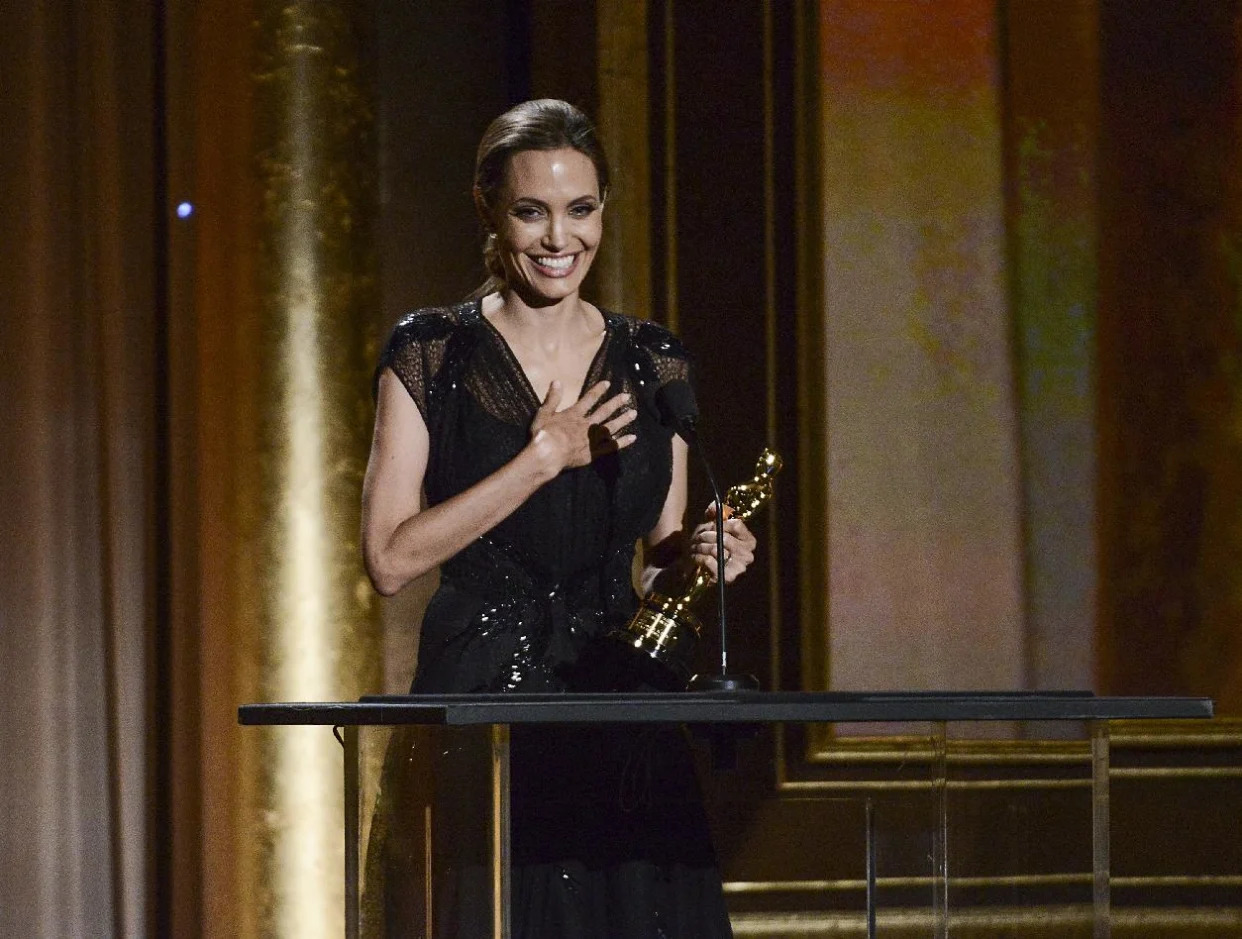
point(533, 200)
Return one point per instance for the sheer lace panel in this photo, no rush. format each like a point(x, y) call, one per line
point(416, 351)
point(657, 357)
point(499, 384)
point(428, 348)
point(668, 356)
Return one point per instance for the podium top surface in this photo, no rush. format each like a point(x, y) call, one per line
point(757, 707)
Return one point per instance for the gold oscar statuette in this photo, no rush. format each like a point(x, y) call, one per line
point(666, 627)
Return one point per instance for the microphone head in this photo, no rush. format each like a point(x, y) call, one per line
point(676, 406)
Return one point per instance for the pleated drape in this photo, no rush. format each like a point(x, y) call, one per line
point(78, 470)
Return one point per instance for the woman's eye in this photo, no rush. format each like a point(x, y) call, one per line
point(582, 211)
point(527, 213)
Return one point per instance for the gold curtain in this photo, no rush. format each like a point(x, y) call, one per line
point(273, 290)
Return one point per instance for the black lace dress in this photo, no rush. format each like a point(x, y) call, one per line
point(609, 837)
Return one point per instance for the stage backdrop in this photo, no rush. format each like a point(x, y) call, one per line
point(971, 266)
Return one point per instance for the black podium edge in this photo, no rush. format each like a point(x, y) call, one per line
point(743, 707)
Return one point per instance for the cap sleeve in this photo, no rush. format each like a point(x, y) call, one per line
point(661, 356)
point(415, 352)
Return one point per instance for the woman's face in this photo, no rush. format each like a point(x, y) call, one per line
point(548, 221)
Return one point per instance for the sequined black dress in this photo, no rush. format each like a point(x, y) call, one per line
point(609, 834)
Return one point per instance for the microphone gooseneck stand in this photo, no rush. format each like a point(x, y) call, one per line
point(724, 681)
point(679, 411)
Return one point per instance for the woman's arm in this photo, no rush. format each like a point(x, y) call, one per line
point(400, 541)
point(667, 547)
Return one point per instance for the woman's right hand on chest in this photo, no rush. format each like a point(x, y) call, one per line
point(588, 428)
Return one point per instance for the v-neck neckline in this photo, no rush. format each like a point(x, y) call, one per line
point(516, 364)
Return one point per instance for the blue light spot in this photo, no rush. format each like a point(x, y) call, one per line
point(185, 209)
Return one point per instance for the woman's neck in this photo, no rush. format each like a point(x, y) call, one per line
point(568, 319)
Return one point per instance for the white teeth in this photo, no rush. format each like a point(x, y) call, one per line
point(560, 262)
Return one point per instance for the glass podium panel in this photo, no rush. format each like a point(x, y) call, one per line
point(903, 829)
point(1023, 848)
point(964, 829)
point(426, 831)
point(889, 780)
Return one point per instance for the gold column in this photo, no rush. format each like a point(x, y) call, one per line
point(316, 630)
point(625, 263)
point(671, 310)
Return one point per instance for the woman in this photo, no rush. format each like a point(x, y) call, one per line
point(525, 416)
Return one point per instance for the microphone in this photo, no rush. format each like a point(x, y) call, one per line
point(679, 411)
point(677, 408)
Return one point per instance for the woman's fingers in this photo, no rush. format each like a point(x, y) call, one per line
point(623, 419)
point(591, 398)
point(733, 567)
point(735, 530)
point(734, 552)
point(608, 420)
point(607, 438)
point(552, 399)
point(739, 546)
point(613, 407)
point(590, 427)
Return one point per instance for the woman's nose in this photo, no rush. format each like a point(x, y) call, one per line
point(554, 234)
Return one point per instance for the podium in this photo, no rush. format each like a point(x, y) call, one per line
point(427, 792)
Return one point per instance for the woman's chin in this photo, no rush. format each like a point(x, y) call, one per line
point(547, 291)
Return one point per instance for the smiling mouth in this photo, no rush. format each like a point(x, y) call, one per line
point(555, 265)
